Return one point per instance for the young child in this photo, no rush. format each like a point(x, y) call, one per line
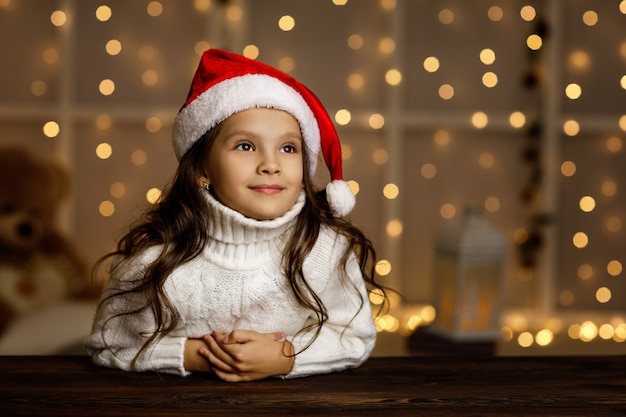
point(243, 269)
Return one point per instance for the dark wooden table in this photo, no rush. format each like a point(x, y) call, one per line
point(407, 386)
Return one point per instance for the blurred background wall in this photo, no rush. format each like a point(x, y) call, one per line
point(517, 108)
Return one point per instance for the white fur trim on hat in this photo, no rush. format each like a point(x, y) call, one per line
point(236, 94)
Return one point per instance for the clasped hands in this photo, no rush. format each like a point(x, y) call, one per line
point(241, 355)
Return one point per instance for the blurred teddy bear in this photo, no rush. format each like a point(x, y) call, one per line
point(39, 266)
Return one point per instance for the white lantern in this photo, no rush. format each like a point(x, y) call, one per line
point(469, 279)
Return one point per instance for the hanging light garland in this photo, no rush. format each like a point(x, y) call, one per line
point(533, 81)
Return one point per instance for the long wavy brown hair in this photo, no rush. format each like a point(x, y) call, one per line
point(178, 223)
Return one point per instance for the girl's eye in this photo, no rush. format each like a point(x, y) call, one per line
point(244, 146)
point(289, 149)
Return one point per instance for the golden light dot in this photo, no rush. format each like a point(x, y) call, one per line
point(383, 267)
point(103, 13)
point(431, 64)
point(603, 295)
point(149, 78)
point(566, 298)
point(528, 13)
point(387, 45)
point(490, 79)
point(104, 150)
point(106, 208)
point(388, 4)
point(377, 296)
point(517, 119)
point(340, 2)
point(202, 5)
point(286, 23)
point(487, 56)
point(343, 117)
point(486, 160)
point(613, 224)
point(580, 240)
point(251, 51)
point(588, 331)
point(234, 13)
point(51, 129)
point(446, 16)
point(480, 120)
point(590, 18)
point(441, 137)
point(287, 64)
point(622, 6)
point(113, 47)
point(154, 8)
point(393, 77)
point(380, 156)
point(394, 228)
point(520, 236)
point(525, 339)
point(492, 204)
point(568, 168)
point(609, 188)
point(106, 87)
point(153, 195)
point(534, 42)
point(355, 41)
point(58, 18)
point(622, 123)
point(354, 187)
point(103, 122)
point(544, 337)
point(428, 171)
point(51, 56)
point(495, 13)
point(355, 81)
point(614, 268)
point(579, 60)
point(376, 121)
point(573, 91)
point(346, 151)
point(38, 88)
point(139, 157)
point(391, 191)
point(585, 272)
point(446, 91)
point(606, 331)
point(153, 124)
point(117, 190)
point(614, 144)
point(622, 82)
point(447, 211)
point(587, 204)
point(573, 331)
point(571, 127)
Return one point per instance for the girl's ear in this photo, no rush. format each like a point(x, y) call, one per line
point(204, 182)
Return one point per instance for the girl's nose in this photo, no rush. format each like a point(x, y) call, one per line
point(269, 165)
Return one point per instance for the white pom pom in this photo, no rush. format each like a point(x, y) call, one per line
point(340, 198)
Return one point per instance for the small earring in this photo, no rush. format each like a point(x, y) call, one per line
point(206, 185)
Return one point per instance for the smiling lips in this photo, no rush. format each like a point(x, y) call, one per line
point(267, 188)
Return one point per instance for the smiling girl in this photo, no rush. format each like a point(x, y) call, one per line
point(244, 269)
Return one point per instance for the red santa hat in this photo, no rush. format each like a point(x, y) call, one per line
point(226, 83)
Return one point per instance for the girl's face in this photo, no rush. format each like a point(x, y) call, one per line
point(256, 163)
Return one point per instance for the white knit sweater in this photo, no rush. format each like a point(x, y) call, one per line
point(237, 283)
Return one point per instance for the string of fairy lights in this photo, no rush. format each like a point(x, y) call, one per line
point(517, 327)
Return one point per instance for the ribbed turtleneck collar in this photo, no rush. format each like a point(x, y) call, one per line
point(234, 237)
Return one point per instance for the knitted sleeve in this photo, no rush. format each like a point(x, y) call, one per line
point(346, 340)
point(118, 334)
